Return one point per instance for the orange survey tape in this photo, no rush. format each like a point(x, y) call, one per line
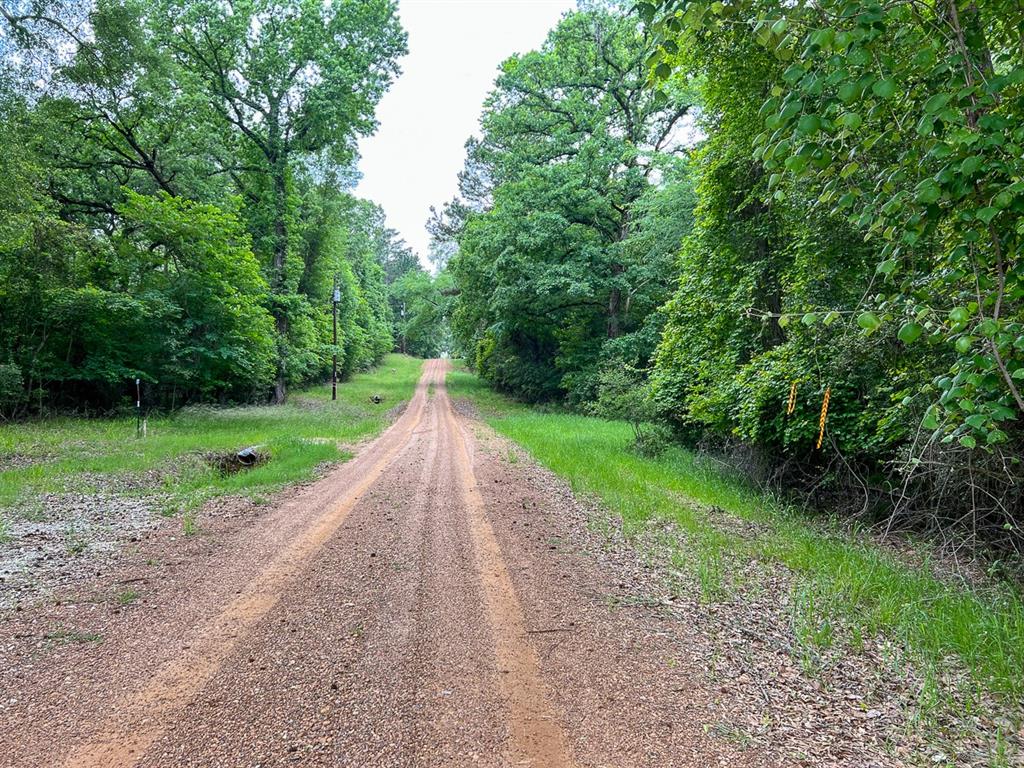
point(824, 414)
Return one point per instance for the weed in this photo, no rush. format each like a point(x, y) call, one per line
point(74, 542)
point(31, 510)
point(812, 624)
point(857, 639)
point(731, 733)
point(848, 586)
point(169, 508)
point(812, 627)
point(709, 575)
point(189, 526)
point(601, 525)
point(1001, 751)
point(127, 597)
point(929, 698)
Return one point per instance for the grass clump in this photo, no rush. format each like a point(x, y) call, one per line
point(843, 584)
point(126, 597)
point(75, 543)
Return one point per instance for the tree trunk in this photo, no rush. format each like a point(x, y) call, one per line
point(615, 295)
point(775, 334)
point(768, 290)
point(279, 175)
point(614, 302)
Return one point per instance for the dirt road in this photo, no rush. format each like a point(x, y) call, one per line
point(418, 606)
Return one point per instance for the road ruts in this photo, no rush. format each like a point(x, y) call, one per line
point(408, 609)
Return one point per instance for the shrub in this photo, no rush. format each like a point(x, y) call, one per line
point(624, 395)
point(12, 388)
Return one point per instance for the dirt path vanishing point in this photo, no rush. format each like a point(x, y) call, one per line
point(412, 608)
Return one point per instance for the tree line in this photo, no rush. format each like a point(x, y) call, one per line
point(786, 232)
point(176, 201)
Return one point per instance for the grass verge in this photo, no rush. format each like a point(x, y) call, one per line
point(81, 455)
point(846, 587)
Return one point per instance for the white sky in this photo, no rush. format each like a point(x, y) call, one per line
point(455, 47)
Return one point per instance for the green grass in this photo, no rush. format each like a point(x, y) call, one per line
point(126, 597)
point(845, 586)
point(76, 454)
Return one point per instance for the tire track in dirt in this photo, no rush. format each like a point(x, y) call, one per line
point(171, 688)
point(460, 717)
point(442, 673)
point(446, 523)
point(409, 610)
point(537, 738)
point(329, 676)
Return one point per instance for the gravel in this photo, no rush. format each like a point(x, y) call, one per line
point(402, 611)
point(800, 706)
point(64, 538)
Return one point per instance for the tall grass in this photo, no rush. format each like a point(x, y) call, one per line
point(75, 454)
point(841, 581)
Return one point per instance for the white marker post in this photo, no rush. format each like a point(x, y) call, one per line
point(334, 363)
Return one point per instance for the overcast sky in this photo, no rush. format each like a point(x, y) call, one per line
point(455, 47)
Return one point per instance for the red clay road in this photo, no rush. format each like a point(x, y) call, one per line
point(408, 609)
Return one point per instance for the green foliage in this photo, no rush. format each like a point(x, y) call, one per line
point(289, 80)
point(858, 177)
point(420, 304)
point(299, 436)
point(199, 258)
point(729, 353)
point(812, 241)
point(572, 207)
point(12, 388)
point(419, 311)
point(901, 121)
point(622, 395)
point(174, 206)
point(345, 245)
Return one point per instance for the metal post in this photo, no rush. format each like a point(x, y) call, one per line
point(334, 365)
point(138, 408)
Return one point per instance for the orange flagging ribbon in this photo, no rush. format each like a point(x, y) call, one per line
point(824, 414)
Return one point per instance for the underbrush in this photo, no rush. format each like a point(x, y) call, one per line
point(845, 587)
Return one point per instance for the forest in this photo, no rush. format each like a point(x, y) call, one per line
point(176, 203)
point(785, 234)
